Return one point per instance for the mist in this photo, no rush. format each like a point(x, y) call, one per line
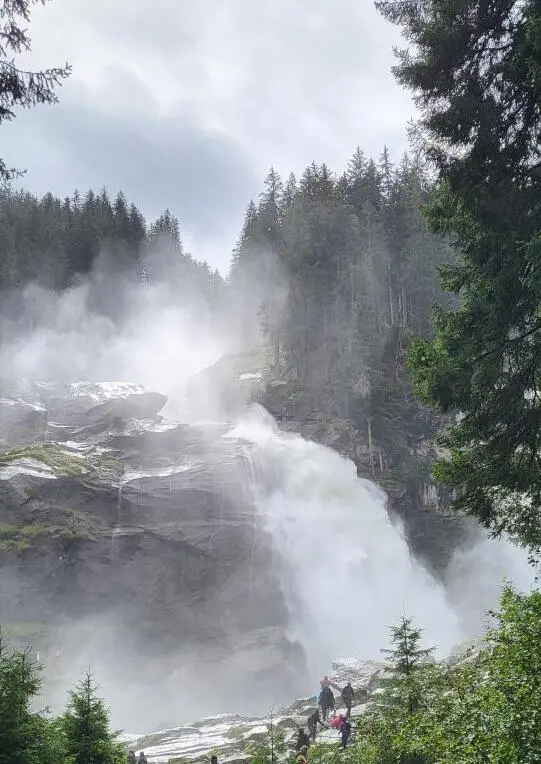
point(113, 325)
point(337, 562)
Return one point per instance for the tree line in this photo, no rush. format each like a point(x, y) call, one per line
point(55, 241)
point(343, 271)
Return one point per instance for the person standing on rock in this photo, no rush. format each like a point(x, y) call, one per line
point(312, 722)
point(348, 696)
point(345, 731)
point(326, 701)
point(302, 740)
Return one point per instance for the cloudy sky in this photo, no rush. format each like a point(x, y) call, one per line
point(186, 103)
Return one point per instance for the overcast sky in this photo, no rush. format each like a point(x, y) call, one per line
point(186, 103)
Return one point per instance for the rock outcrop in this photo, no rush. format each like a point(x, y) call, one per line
point(111, 510)
point(232, 736)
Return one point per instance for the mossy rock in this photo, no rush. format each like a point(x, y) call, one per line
point(17, 538)
point(63, 463)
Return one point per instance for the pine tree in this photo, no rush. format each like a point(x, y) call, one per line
point(85, 727)
point(402, 690)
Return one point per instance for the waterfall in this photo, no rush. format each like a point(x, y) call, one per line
point(345, 568)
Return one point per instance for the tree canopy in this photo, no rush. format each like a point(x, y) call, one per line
point(475, 71)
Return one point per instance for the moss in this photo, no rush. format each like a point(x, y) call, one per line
point(7, 530)
point(62, 462)
point(14, 545)
point(35, 530)
point(17, 538)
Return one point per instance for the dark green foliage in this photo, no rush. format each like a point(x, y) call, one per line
point(26, 737)
point(408, 662)
point(85, 728)
point(20, 88)
point(475, 70)
point(484, 708)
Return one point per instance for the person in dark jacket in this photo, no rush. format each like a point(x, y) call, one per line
point(312, 722)
point(131, 757)
point(345, 731)
point(348, 696)
point(142, 758)
point(326, 701)
point(302, 740)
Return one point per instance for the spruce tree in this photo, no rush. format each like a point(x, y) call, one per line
point(475, 70)
point(408, 664)
point(86, 730)
point(26, 737)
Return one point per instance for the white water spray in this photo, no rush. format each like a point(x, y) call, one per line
point(345, 567)
point(476, 574)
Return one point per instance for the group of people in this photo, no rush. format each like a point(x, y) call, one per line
point(326, 704)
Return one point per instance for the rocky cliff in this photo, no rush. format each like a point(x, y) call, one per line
point(111, 516)
point(135, 536)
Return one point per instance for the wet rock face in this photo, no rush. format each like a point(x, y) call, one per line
point(109, 510)
point(21, 422)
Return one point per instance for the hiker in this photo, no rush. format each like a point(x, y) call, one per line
point(324, 682)
point(303, 753)
point(336, 721)
point(302, 740)
point(131, 757)
point(326, 701)
point(345, 732)
point(142, 758)
point(312, 722)
point(348, 696)
point(213, 759)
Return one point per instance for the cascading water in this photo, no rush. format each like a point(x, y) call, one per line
point(345, 567)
